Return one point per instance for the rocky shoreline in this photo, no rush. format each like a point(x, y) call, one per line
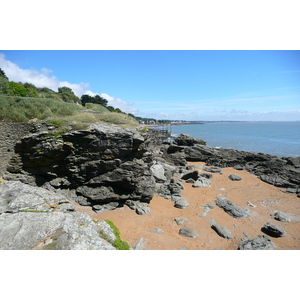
point(108, 168)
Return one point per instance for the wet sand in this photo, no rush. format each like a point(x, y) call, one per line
point(267, 199)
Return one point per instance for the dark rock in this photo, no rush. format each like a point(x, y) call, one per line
point(234, 177)
point(232, 209)
point(102, 164)
point(206, 175)
point(190, 175)
point(262, 242)
point(99, 208)
point(187, 140)
point(273, 230)
point(281, 172)
point(213, 170)
point(188, 232)
point(281, 216)
point(190, 180)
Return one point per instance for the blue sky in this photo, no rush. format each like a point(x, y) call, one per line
point(172, 84)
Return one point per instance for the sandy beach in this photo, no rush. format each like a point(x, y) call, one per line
point(266, 199)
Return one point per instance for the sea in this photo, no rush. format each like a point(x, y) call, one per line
point(276, 138)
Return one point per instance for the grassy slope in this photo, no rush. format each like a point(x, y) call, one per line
point(62, 114)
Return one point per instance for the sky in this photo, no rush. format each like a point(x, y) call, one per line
point(171, 84)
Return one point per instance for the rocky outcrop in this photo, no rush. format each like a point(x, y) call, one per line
point(281, 172)
point(53, 230)
point(35, 218)
point(16, 196)
point(102, 164)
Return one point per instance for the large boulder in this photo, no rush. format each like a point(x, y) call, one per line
point(102, 164)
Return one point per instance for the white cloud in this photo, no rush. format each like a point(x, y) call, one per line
point(40, 78)
point(119, 103)
point(116, 102)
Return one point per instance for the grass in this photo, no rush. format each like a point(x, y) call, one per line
point(62, 115)
point(119, 244)
point(23, 109)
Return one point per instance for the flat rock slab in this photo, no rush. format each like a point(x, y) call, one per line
point(232, 209)
point(273, 230)
point(262, 242)
point(72, 231)
point(16, 196)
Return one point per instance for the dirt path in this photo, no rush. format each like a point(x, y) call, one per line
point(265, 197)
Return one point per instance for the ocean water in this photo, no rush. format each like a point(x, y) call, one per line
point(275, 138)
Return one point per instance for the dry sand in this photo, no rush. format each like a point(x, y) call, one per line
point(267, 199)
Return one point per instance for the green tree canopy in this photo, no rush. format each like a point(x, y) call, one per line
point(93, 99)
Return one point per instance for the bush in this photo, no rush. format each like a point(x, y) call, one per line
point(16, 89)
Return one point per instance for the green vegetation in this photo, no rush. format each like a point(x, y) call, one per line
point(118, 243)
point(63, 109)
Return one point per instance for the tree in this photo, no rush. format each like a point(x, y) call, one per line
point(3, 82)
point(65, 89)
point(93, 99)
point(67, 95)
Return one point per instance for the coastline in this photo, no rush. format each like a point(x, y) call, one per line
point(266, 197)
